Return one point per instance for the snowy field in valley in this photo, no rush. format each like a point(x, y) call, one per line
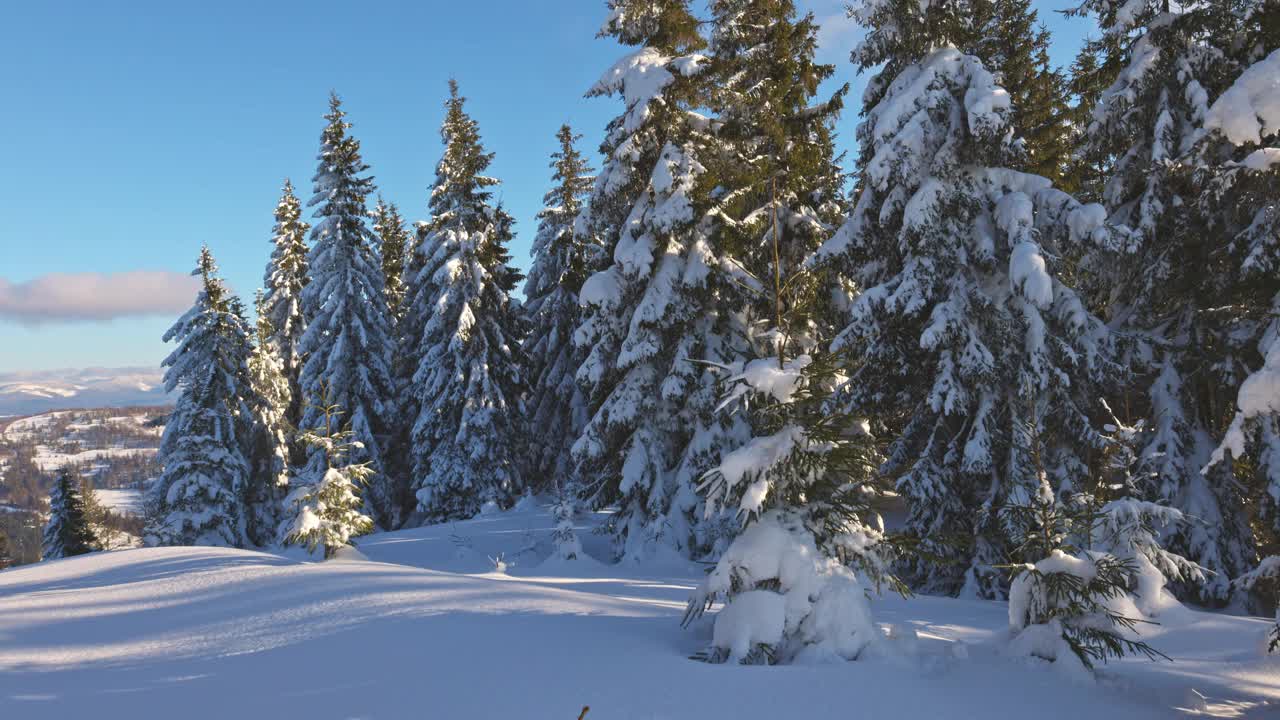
point(419, 624)
point(123, 502)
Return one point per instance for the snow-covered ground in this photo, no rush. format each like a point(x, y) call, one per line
point(122, 502)
point(417, 624)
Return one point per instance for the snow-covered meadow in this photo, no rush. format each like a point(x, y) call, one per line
point(419, 623)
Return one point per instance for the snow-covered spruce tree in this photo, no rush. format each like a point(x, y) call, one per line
point(348, 344)
point(658, 306)
point(1235, 171)
point(200, 496)
point(285, 277)
point(963, 331)
point(323, 506)
point(1096, 573)
point(556, 405)
point(393, 242)
point(397, 252)
point(68, 531)
point(467, 441)
point(564, 537)
point(1193, 285)
point(268, 441)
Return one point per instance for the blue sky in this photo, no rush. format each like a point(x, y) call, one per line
point(132, 133)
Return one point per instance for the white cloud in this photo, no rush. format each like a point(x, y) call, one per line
point(69, 297)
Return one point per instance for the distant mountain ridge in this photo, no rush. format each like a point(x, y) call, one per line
point(36, 391)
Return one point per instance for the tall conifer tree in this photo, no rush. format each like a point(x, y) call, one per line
point(1193, 284)
point(200, 497)
point(658, 307)
point(285, 277)
point(964, 334)
point(398, 266)
point(556, 405)
point(1011, 43)
point(467, 441)
point(782, 187)
point(348, 344)
point(268, 438)
point(393, 240)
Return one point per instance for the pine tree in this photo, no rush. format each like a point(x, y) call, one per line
point(323, 507)
point(963, 333)
point(556, 405)
point(348, 345)
point(68, 531)
point(281, 305)
point(200, 496)
point(393, 241)
point(268, 449)
point(1193, 284)
point(467, 440)
point(658, 307)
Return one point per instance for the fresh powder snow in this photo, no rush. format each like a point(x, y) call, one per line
point(410, 623)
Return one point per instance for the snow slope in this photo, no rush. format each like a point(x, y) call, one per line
point(416, 624)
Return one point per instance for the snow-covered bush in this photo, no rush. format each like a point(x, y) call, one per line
point(324, 507)
point(1267, 571)
point(1129, 529)
point(786, 601)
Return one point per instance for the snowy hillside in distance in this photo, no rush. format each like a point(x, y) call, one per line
point(417, 624)
point(29, 392)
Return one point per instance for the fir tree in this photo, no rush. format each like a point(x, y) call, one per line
point(68, 531)
point(323, 507)
point(268, 449)
point(199, 498)
point(1193, 284)
point(348, 345)
point(659, 305)
point(281, 305)
point(467, 440)
point(963, 332)
point(556, 406)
